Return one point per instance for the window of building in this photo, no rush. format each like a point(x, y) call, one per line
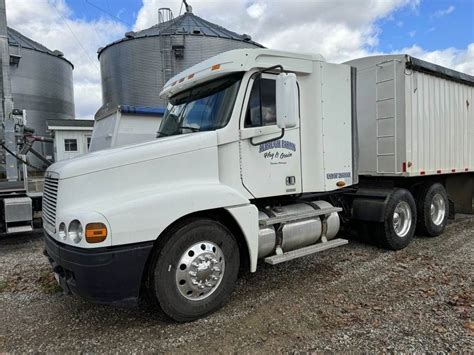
point(88, 142)
point(70, 145)
point(261, 110)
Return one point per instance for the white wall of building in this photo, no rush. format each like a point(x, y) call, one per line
point(70, 143)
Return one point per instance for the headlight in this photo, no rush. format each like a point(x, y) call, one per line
point(62, 231)
point(75, 231)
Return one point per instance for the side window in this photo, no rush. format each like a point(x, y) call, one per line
point(261, 110)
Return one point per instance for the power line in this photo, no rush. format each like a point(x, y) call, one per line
point(99, 37)
point(76, 38)
point(108, 13)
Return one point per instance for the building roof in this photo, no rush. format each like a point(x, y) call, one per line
point(186, 24)
point(15, 38)
point(142, 110)
point(64, 123)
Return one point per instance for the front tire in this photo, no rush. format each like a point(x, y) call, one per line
point(433, 210)
point(195, 270)
point(398, 228)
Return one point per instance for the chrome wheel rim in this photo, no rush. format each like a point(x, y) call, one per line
point(200, 270)
point(437, 209)
point(402, 219)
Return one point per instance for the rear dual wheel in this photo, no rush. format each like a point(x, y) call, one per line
point(433, 210)
point(403, 216)
point(398, 228)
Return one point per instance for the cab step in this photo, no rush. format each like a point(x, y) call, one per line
point(298, 253)
point(19, 229)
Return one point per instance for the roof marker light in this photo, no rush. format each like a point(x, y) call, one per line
point(190, 76)
point(216, 67)
point(181, 80)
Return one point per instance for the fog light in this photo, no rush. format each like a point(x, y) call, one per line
point(75, 231)
point(96, 232)
point(62, 232)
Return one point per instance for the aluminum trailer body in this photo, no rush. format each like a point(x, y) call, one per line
point(414, 118)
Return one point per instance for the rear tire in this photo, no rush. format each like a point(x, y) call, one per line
point(398, 228)
point(433, 210)
point(195, 270)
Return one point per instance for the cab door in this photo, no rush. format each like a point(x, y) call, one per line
point(270, 158)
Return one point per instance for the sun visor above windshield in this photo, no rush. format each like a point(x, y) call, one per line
point(236, 61)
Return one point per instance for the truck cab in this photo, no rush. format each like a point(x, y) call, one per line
point(255, 159)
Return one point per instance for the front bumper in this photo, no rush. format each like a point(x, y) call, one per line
point(109, 275)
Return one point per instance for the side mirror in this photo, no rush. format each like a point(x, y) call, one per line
point(286, 100)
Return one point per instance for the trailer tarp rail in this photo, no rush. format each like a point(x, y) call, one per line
point(438, 70)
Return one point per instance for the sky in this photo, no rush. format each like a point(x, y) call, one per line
point(440, 31)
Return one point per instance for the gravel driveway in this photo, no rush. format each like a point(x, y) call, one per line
point(356, 297)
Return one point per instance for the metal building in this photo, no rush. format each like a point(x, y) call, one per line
point(41, 84)
point(135, 68)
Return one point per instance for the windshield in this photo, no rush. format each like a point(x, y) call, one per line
point(203, 108)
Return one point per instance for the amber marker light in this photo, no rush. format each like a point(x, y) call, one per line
point(216, 67)
point(96, 232)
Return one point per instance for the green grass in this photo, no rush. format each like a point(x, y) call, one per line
point(48, 283)
point(3, 286)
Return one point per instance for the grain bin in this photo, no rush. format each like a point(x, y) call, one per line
point(135, 68)
point(41, 84)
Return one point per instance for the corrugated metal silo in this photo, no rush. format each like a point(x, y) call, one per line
point(41, 84)
point(135, 68)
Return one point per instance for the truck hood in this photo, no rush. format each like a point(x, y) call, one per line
point(137, 153)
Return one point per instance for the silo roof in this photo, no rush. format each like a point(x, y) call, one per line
point(187, 24)
point(15, 38)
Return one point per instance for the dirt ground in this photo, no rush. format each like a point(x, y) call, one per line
point(356, 297)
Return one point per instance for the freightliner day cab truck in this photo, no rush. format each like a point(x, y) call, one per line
point(262, 155)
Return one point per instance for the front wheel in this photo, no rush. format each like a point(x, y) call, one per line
point(398, 228)
point(195, 270)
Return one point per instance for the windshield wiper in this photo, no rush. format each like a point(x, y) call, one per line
point(161, 134)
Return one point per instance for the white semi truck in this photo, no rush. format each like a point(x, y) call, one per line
point(262, 155)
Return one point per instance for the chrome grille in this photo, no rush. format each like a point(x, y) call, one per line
point(50, 193)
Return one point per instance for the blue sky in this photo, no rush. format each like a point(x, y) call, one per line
point(439, 31)
point(434, 24)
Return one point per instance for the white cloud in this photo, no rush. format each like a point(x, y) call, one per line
point(50, 23)
point(339, 30)
point(441, 13)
